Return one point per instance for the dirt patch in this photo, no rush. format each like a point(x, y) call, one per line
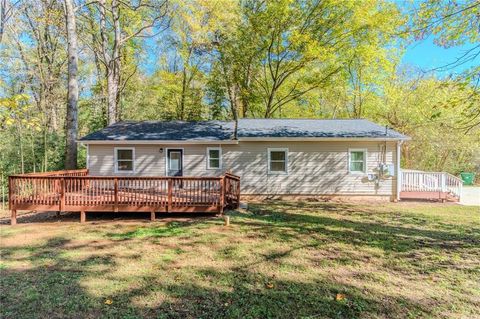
point(29, 217)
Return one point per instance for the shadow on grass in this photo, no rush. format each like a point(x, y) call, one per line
point(287, 222)
point(52, 288)
point(52, 285)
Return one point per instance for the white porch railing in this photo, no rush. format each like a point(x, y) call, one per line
point(442, 182)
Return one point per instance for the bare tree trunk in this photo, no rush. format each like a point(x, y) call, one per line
point(3, 17)
point(20, 141)
point(3, 184)
point(111, 59)
point(181, 115)
point(45, 148)
point(72, 100)
point(32, 146)
point(112, 98)
point(3, 192)
point(116, 54)
point(231, 97)
point(6, 9)
point(110, 48)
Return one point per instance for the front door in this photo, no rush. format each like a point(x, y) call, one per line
point(175, 162)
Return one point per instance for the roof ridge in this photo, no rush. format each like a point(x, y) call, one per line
point(241, 119)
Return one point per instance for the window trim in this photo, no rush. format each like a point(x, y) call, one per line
point(277, 149)
point(365, 154)
point(115, 155)
point(214, 148)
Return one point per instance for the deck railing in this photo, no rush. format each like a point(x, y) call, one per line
point(74, 172)
point(232, 190)
point(434, 182)
point(76, 191)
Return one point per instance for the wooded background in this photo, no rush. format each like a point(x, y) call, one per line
point(70, 67)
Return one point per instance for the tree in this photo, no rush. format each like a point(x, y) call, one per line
point(116, 25)
point(453, 23)
point(6, 12)
point(428, 110)
point(33, 63)
point(228, 59)
point(72, 100)
point(284, 50)
point(19, 117)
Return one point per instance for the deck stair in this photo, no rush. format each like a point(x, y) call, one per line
point(430, 185)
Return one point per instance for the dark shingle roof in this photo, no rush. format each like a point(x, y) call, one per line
point(313, 128)
point(162, 130)
point(247, 128)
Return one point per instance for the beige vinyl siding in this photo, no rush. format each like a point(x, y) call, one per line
point(149, 161)
point(313, 167)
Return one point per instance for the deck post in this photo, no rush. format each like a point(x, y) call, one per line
point(443, 194)
point(115, 194)
point(152, 216)
point(83, 216)
point(10, 192)
point(444, 183)
point(62, 194)
point(222, 194)
point(170, 193)
point(13, 219)
point(238, 195)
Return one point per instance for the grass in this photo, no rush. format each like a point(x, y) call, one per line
point(276, 260)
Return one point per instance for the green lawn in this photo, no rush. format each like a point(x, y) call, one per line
point(276, 260)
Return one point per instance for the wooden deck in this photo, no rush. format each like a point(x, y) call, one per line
point(430, 185)
point(76, 191)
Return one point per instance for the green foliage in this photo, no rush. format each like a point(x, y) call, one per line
point(453, 23)
point(221, 59)
point(433, 112)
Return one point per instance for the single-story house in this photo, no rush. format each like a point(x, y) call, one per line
point(271, 156)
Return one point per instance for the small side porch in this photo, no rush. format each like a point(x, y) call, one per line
point(76, 191)
point(440, 186)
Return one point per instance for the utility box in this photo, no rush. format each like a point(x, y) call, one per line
point(467, 178)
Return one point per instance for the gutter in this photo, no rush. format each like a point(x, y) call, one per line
point(248, 139)
point(148, 142)
point(321, 139)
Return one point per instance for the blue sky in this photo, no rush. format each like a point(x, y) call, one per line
point(426, 55)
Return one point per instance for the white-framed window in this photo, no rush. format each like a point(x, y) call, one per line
point(214, 157)
point(278, 160)
point(357, 160)
point(124, 159)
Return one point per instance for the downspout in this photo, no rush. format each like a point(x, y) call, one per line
point(398, 171)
